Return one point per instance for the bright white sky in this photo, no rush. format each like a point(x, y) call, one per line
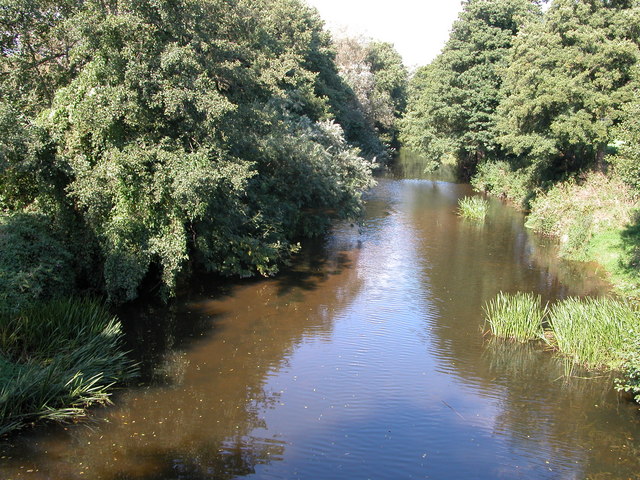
point(417, 28)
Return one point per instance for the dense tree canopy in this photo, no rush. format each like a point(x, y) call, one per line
point(567, 81)
point(453, 100)
point(154, 134)
point(522, 98)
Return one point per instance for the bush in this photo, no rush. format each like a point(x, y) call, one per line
point(576, 211)
point(630, 382)
point(56, 359)
point(500, 180)
point(34, 264)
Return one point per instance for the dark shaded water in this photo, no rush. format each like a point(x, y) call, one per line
point(366, 360)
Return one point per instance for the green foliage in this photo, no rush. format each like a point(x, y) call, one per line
point(473, 208)
point(594, 332)
point(630, 382)
point(34, 264)
point(576, 211)
point(162, 132)
point(452, 101)
point(567, 79)
point(56, 359)
point(518, 316)
point(501, 180)
point(626, 161)
point(379, 80)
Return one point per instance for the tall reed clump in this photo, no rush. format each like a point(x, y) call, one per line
point(594, 332)
point(518, 316)
point(57, 359)
point(473, 208)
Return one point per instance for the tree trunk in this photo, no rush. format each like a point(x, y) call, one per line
point(601, 165)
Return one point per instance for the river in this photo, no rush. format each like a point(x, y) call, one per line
point(366, 359)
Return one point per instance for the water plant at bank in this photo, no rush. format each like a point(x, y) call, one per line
point(597, 333)
point(516, 316)
point(473, 208)
point(57, 359)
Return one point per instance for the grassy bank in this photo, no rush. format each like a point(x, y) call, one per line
point(597, 333)
point(57, 359)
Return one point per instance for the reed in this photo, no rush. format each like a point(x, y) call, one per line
point(516, 316)
point(594, 332)
point(473, 208)
point(56, 360)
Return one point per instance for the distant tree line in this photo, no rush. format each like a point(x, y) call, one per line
point(522, 97)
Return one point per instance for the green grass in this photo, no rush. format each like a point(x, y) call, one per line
point(57, 359)
point(473, 208)
point(594, 332)
point(518, 316)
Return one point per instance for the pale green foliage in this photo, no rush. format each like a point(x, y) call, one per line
point(593, 331)
point(379, 80)
point(516, 316)
point(473, 208)
point(576, 211)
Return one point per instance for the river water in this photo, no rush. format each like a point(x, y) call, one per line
point(364, 360)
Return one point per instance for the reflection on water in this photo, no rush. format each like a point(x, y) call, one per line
point(365, 360)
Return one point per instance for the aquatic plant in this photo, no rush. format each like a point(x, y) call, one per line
point(516, 316)
point(56, 360)
point(593, 332)
point(473, 208)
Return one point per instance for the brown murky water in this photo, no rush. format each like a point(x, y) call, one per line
point(366, 360)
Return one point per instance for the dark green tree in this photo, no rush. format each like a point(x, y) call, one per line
point(567, 80)
point(452, 101)
point(175, 132)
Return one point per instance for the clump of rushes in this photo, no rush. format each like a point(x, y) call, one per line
point(57, 359)
point(594, 332)
point(473, 208)
point(518, 316)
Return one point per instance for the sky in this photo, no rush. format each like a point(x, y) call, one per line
point(417, 28)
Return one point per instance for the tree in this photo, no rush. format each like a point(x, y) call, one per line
point(379, 80)
point(178, 132)
point(566, 83)
point(453, 100)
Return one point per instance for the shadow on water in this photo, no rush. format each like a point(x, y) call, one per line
point(362, 359)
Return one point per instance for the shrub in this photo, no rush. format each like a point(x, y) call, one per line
point(473, 208)
point(518, 316)
point(576, 211)
point(630, 382)
point(500, 180)
point(34, 264)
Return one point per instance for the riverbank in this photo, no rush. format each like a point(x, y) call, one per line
point(595, 219)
